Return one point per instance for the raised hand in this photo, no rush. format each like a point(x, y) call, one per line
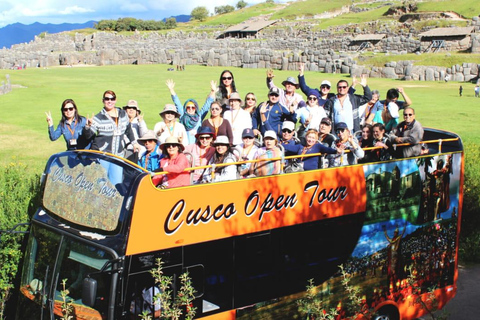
point(301, 69)
point(89, 121)
point(270, 74)
point(213, 86)
point(49, 118)
point(171, 86)
point(140, 117)
point(263, 108)
point(363, 80)
point(354, 81)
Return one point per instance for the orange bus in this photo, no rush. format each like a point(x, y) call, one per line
point(250, 245)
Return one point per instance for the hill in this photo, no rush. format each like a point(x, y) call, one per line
point(19, 32)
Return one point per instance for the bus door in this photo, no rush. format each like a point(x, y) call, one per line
point(52, 258)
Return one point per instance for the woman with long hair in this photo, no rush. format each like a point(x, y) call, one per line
point(223, 154)
point(365, 141)
point(225, 87)
point(219, 126)
point(250, 103)
point(70, 126)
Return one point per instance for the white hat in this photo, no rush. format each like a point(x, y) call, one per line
point(325, 83)
point(270, 134)
point(288, 125)
point(170, 108)
point(221, 140)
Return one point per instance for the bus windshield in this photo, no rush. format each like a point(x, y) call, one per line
point(72, 262)
point(88, 189)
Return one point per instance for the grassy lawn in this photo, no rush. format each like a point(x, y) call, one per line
point(23, 129)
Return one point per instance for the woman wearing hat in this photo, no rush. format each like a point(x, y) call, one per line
point(202, 151)
point(246, 151)
point(170, 127)
point(270, 151)
point(70, 126)
point(190, 115)
point(239, 119)
point(175, 163)
point(139, 127)
point(223, 154)
point(149, 158)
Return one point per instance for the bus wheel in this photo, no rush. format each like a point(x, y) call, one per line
point(388, 312)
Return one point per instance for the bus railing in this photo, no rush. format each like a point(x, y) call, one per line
point(283, 158)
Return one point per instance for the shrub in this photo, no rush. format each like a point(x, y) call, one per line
point(19, 196)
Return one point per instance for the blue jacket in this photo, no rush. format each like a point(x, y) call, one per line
point(153, 161)
point(67, 135)
point(275, 115)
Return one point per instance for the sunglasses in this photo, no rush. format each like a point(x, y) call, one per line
point(170, 145)
point(324, 87)
point(169, 112)
point(205, 137)
point(190, 107)
point(340, 130)
point(69, 109)
point(250, 98)
point(408, 114)
point(150, 141)
point(287, 130)
point(342, 87)
point(215, 109)
point(109, 99)
point(226, 78)
point(128, 108)
point(273, 95)
point(312, 98)
point(247, 138)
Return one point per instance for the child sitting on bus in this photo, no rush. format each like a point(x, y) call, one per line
point(270, 151)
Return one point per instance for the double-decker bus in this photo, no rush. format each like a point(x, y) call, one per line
point(250, 245)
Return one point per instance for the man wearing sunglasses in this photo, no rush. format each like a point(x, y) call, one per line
point(408, 131)
point(323, 92)
point(344, 106)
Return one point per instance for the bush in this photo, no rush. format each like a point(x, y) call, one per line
point(199, 13)
point(470, 234)
point(19, 197)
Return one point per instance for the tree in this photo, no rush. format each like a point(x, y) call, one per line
point(241, 4)
point(171, 23)
point(199, 13)
point(224, 9)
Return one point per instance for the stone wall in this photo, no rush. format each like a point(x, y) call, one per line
point(282, 49)
point(405, 70)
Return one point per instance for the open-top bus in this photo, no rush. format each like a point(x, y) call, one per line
point(250, 245)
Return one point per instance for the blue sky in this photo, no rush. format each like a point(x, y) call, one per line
point(60, 11)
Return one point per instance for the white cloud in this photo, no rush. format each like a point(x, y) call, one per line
point(75, 10)
point(57, 11)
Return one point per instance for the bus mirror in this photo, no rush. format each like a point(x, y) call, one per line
point(89, 292)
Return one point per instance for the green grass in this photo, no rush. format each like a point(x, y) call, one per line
point(440, 59)
point(23, 129)
point(466, 8)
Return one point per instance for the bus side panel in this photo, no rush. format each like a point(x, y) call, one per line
point(408, 243)
point(181, 216)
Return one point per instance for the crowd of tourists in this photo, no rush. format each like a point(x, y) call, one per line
point(230, 138)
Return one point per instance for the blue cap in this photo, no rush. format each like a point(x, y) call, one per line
point(247, 132)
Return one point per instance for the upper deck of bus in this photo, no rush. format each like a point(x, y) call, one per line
point(131, 216)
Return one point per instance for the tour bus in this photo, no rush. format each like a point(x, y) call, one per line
point(250, 246)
